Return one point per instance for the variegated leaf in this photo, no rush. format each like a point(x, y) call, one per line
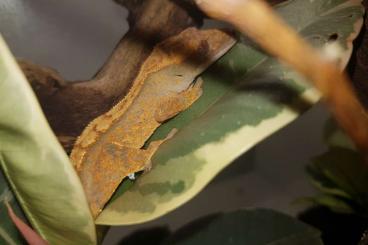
point(247, 96)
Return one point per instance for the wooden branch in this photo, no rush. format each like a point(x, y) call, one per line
point(69, 107)
point(271, 33)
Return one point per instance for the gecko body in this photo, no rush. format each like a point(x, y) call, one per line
point(111, 147)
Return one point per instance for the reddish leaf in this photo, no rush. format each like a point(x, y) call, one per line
point(29, 235)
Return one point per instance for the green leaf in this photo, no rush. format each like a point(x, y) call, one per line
point(339, 174)
point(342, 170)
point(250, 227)
point(334, 203)
point(247, 96)
point(35, 165)
point(323, 183)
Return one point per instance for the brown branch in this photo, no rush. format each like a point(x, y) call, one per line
point(270, 32)
point(69, 107)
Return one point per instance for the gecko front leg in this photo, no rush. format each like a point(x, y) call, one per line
point(116, 163)
point(153, 146)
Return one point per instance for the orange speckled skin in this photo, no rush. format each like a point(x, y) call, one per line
point(110, 148)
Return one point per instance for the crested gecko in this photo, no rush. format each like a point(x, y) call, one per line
point(111, 147)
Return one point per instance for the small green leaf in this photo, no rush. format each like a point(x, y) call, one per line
point(343, 175)
point(35, 165)
point(324, 184)
point(250, 227)
point(247, 97)
point(346, 169)
point(340, 174)
point(334, 203)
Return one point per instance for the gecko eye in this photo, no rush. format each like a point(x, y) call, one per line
point(333, 37)
point(179, 75)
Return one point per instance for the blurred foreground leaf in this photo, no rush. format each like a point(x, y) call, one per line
point(38, 170)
